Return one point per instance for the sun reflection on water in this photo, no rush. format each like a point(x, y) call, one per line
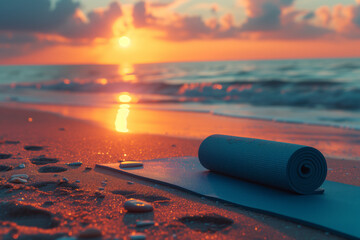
point(123, 113)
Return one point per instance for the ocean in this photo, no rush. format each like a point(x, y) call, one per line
point(316, 91)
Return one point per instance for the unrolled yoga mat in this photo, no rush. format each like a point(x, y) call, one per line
point(337, 210)
point(291, 167)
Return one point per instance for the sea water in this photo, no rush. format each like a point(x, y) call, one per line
point(316, 91)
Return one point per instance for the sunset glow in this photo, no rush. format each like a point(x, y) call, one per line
point(142, 32)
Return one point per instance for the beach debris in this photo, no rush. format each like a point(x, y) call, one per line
point(5, 156)
point(90, 233)
point(24, 176)
point(74, 164)
point(51, 169)
point(17, 180)
point(33, 148)
point(144, 223)
point(129, 182)
point(21, 166)
point(130, 164)
point(137, 236)
point(4, 168)
point(139, 206)
point(42, 160)
point(65, 179)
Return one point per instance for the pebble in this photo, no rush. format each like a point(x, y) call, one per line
point(135, 205)
point(130, 182)
point(20, 199)
point(77, 181)
point(90, 233)
point(137, 236)
point(145, 223)
point(17, 180)
point(21, 166)
point(101, 188)
point(24, 176)
point(65, 179)
point(130, 164)
point(74, 164)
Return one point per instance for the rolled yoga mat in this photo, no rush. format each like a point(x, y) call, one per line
point(291, 167)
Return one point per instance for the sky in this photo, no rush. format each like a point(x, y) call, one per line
point(132, 31)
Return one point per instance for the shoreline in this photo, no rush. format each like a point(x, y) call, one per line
point(334, 142)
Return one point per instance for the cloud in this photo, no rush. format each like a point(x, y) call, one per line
point(97, 23)
point(345, 20)
point(27, 26)
point(34, 15)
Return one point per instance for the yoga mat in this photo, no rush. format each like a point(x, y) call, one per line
point(291, 167)
point(336, 211)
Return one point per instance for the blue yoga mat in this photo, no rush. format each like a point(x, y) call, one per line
point(292, 167)
point(337, 210)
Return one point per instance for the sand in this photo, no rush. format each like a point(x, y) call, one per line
point(67, 203)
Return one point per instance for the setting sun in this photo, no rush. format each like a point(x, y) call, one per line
point(124, 98)
point(124, 42)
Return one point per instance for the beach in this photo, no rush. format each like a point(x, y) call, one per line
point(84, 197)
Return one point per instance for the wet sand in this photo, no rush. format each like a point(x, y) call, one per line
point(66, 203)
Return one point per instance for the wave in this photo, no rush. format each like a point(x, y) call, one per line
point(311, 93)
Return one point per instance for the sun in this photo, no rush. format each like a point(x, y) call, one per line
point(124, 41)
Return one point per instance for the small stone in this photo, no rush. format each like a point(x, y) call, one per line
point(135, 205)
point(61, 129)
point(130, 183)
point(77, 181)
point(65, 179)
point(88, 168)
point(90, 233)
point(130, 164)
point(20, 199)
point(21, 166)
point(74, 164)
point(5, 156)
point(56, 175)
point(137, 236)
point(145, 223)
point(33, 148)
point(18, 180)
point(101, 188)
point(23, 176)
